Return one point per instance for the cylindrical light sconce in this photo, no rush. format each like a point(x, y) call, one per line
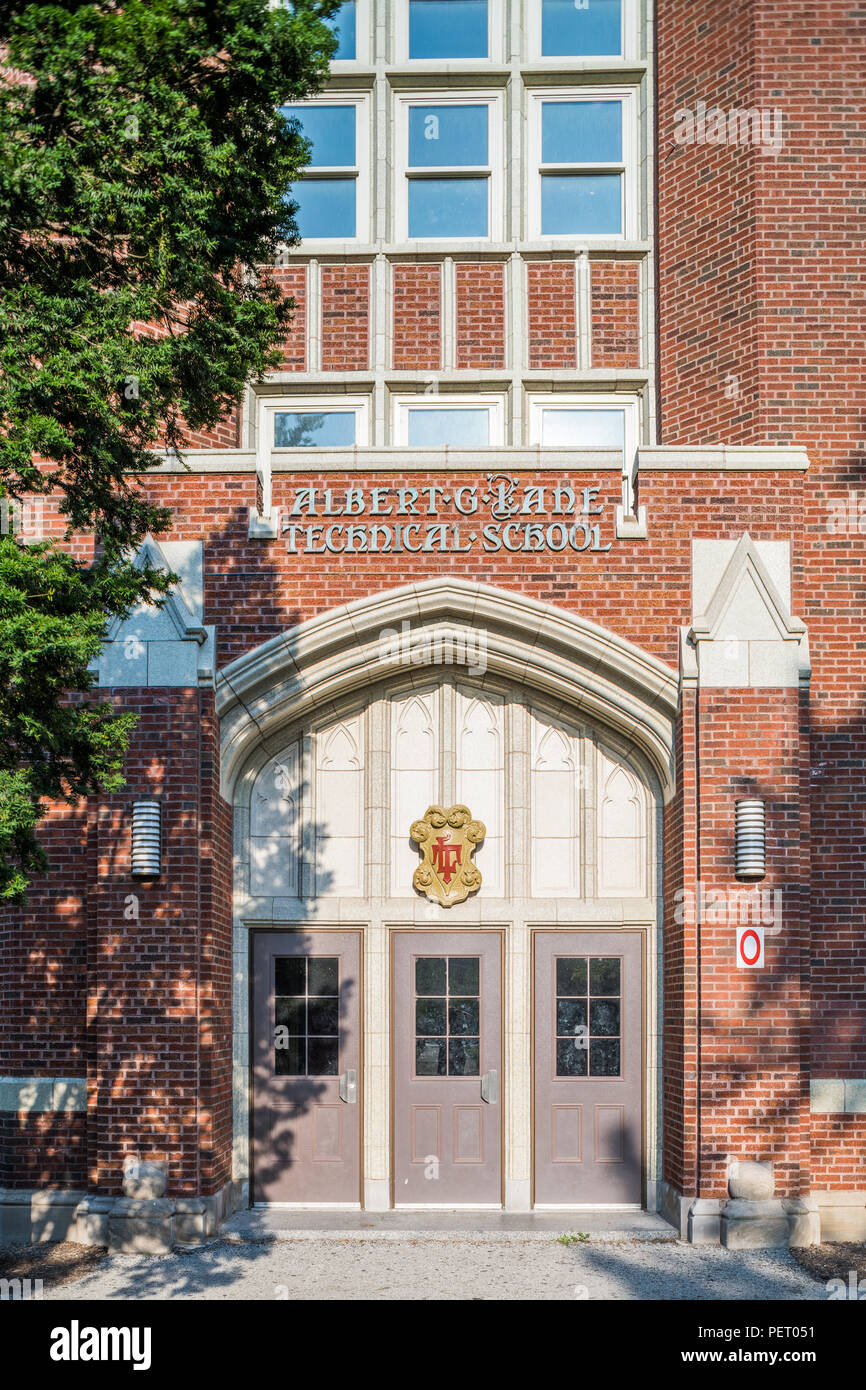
point(146, 848)
point(750, 839)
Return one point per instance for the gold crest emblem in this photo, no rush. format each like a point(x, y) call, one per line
point(446, 840)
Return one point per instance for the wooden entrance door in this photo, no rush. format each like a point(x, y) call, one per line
point(306, 1067)
point(588, 1068)
point(447, 1068)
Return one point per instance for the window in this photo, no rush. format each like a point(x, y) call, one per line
point(584, 149)
point(447, 29)
point(306, 1015)
point(331, 194)
point(330, 422)
point(449, 187)
point(344, 25)
point(447, 1015)
point(589, 422)
point(581, 28)
point(458, 422)
point(583, 422)
point(588, 1015)
point(350, 24)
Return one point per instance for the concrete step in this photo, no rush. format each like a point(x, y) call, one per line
point(293, 1223)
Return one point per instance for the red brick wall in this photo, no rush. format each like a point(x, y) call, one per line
point(615, 296)
point(708, 295)
point(761, 320)
point(292, 280)
point(480, 315)
point(159, 1001)
point(345, 318)
point(839, 1152)
point(754, 1092)
point(552, 314)
point(41, 1149)
point(417, 297)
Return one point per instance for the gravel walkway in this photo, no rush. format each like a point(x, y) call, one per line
point(462, 1269)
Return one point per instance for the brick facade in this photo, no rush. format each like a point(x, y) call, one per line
point(758, 335)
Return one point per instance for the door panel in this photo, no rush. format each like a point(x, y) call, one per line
point(588, 1068)
point(447, 1046)
point(306, 1127)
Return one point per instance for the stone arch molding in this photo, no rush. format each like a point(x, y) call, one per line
point(315, 665)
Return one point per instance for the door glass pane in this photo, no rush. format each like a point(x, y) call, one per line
point(326, 208)
point(306, 1015)
point(322, 1057)
point(571, 975)
point(580, 28)
point(447, 1026)
point(291, 1058)
point(323, 975)
point(297, 429)
point(436, 428)
point(448, 207)
point(430, 1016)
point(343, 24)
point(463, 1016)
point(570, 1057)
point(430, 975)
point(292, 1014)
point(324, 1016)
point(581, 132)
point(463, 1056)
point(588, 1016)
point(330, 130)
point(430, 1057)
point(570, 1016)
point(586, 204)
point(463, 975)
point(447, 28)
point(445, 136)
point(604, 975)
point(604, 1018)
point(604, 1058)
point(290, 975)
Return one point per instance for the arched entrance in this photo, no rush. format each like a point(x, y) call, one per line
point(502, 1049)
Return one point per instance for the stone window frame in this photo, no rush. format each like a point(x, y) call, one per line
point(630, 49)
point(628, 165)
point(449, 96)
point(401, 404)
point(330, 402)
point(361, 171)
point(496, 31)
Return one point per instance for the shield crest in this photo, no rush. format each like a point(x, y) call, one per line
point(446, 839)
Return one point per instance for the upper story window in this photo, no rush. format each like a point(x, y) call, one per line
point(448, 29)
point(581, 28)
point(332, 192)
point(461, 422)
point(584, 149)
point(583, 422)
point(449, 185)
point(344, 24)
point(304, 422)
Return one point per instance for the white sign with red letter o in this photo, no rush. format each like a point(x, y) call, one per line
point(750, 948)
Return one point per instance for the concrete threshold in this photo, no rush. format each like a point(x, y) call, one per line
point(284, 1223)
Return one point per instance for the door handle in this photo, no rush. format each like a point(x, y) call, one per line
point(490, 1087)
point(349, 1087)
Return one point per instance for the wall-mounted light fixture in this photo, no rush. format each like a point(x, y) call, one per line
point(146, 848)
point(750, 839)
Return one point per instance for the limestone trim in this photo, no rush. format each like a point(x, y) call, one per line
point(528, 643)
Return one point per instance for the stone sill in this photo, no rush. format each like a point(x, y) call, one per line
point(397, 459)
